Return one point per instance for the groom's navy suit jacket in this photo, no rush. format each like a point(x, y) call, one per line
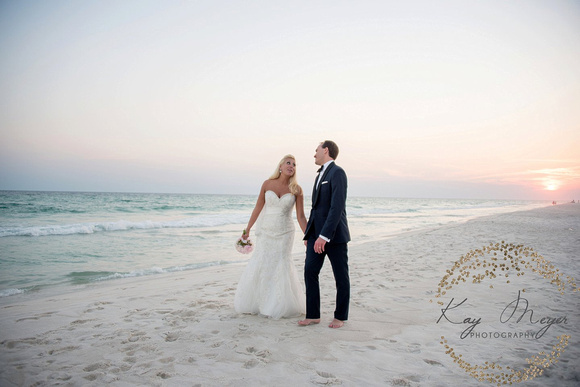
point(328, 214)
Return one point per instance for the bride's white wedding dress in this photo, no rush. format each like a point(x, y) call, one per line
point(269, 285)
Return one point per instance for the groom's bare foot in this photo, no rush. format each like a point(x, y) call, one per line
point(308, 321)
point(336, 324)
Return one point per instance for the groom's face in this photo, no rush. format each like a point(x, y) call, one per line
point(319, 155)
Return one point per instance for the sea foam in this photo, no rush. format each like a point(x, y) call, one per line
point(121, 225)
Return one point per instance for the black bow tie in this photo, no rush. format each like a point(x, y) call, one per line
point(320, 169)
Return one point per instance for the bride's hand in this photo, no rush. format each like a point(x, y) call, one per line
point(245, 235)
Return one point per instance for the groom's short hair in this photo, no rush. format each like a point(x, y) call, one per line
point(332, 148)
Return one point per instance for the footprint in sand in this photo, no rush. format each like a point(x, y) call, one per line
point(325, 378)
point(130, 359)
point(36, 317)
point(260, 356)
point(59, 376)
point(163, 375)
point(95, 366)
point(11, 344)
point(211, 305)
point(97, 306)
point(401, 382)
point(264, 354)
point(251, 363)
point(130, 349)
point(62, 350)
point(136, 336)
point(432, 362)
point(294, 333)
point(80, 322)
point(171, 336)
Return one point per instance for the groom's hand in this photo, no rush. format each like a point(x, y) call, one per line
point(319, 245)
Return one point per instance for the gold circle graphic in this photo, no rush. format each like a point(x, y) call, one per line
point(507, 261)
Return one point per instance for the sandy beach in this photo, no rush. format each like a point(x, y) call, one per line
point(180, 329)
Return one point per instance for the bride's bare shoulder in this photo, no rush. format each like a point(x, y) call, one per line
point(267, 185)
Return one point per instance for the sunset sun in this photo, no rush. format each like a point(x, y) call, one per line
point(552, 185)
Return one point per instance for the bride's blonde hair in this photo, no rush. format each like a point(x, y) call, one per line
point(295, 189)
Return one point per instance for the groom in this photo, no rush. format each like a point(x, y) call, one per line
point(327, 235)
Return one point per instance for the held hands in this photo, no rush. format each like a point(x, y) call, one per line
point(245, 235)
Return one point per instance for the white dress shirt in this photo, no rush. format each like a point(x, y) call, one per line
point(318, 185)
point(322, 172)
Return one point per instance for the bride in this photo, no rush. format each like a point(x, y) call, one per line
point(269, 285)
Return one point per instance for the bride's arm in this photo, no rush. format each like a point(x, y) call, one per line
point(257, 209)
point(300, 212)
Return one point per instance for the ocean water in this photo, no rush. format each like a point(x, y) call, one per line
point(60, 240)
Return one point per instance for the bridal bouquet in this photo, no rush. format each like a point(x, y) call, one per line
point(244, 246)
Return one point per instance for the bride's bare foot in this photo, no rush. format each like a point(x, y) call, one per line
point(308, 321)
point(336, 324)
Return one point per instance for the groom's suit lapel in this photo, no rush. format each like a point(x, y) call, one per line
point(317, 189)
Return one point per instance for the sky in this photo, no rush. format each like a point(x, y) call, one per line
point(425, 99)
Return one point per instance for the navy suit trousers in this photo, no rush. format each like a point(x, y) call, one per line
point(338, 255)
